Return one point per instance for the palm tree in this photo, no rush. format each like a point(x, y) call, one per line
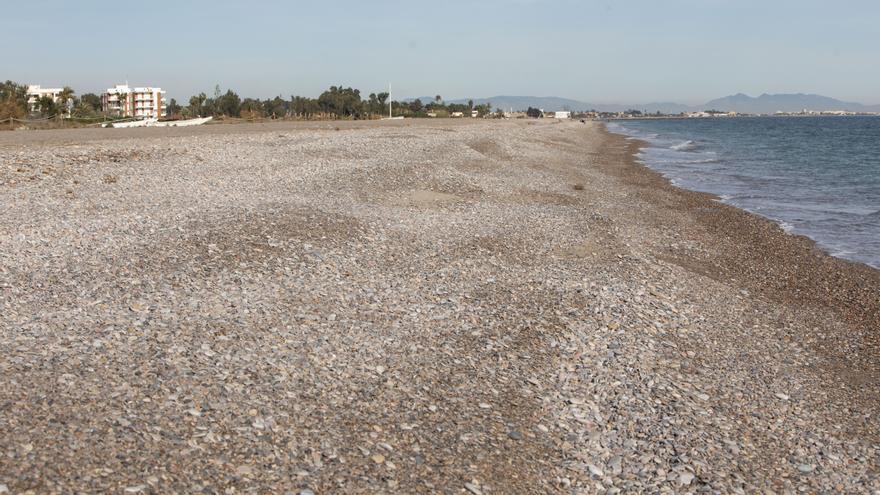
point(65, 98)
point(438, 99)
point(121, 101)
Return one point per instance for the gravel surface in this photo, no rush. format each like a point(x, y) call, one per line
point(412, 307)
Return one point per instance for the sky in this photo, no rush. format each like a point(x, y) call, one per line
point(598, 51)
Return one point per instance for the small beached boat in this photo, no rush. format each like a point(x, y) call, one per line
point(157, 123)
point(132, 123)
point(182, 123)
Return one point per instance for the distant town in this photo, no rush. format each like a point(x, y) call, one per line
point(23, 106)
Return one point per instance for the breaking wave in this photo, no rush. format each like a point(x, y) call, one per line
point(685, 146)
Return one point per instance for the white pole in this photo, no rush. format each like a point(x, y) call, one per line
point(389, 100)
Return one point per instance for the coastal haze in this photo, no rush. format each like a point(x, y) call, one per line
point(239, 254)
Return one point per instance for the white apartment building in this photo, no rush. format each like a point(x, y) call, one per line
point(35, 92)
point(145, 103)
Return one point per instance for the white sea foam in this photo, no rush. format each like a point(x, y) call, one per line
point(685, 146)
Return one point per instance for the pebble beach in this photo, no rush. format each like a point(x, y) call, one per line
point(420, 306)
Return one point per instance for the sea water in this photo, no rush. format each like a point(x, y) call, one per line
point(815, 176)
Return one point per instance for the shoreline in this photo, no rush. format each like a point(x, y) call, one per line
point(758, 253)
point(788, 228)
point(779, 223)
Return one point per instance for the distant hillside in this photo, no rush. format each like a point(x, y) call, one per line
point(785, 103)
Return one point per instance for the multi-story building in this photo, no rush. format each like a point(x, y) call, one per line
point(145, 103)
point(35, 92)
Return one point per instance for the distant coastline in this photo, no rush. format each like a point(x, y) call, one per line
point(745, 115)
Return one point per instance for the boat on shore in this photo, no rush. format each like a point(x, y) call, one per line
point(131, 123)
point(182, 123)
point(157, 123)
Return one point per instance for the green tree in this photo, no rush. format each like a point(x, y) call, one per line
point(276, 108)
point(13, 100)
point(88, 105)
point(197, 104)
point(533, 113)
point(46, 106)
point(228, 104)
point(301, 106)
point(174, 108)
point(372, 104)
point(342, 102)
point(251, 108)
point(383, 101)
point(92, 101)
point(66, 99)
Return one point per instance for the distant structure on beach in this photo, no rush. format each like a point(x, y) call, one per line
point(36, 92)
point(562, 115)
point(145, 103)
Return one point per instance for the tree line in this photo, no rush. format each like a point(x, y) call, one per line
point(337, 102)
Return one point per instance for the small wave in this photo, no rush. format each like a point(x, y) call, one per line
point(787, 227)
point(842, 253)
point(678, 162)
point(685, 146)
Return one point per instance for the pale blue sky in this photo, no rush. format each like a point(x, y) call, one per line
point(600, 51)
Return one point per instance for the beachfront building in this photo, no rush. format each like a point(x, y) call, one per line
point(36, 92)
point(142, 103)
point(562, 115)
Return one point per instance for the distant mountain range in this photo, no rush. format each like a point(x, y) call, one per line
point(785, 103)
point(764, 104)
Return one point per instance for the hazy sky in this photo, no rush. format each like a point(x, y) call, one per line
point(600, 51)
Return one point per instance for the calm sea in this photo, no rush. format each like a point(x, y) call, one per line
point(816, 176)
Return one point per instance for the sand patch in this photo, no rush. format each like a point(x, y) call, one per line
point(489, 148)
point(595, 249)
point(423, 198)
